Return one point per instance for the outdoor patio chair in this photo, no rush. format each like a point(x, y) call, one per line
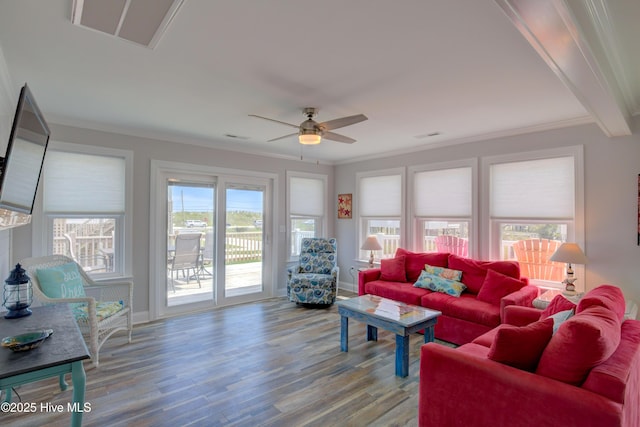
point(207, 253)
point(101, 309)
point(453, 245)
point(186, 257)
point(315, 279)
point(533, 256)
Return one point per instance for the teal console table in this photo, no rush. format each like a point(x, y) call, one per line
point(61, 353)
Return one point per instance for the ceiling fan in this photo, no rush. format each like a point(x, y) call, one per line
point(311, 132)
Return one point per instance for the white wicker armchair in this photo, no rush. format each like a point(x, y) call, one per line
point(95, 331)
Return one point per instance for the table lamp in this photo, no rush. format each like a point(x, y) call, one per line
point(571, 254)
point(371, 244)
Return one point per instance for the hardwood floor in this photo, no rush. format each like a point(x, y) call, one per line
point(271, 363)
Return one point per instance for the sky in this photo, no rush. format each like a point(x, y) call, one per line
point(200, 199)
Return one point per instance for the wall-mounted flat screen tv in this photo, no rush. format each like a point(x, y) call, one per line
point(22, 163)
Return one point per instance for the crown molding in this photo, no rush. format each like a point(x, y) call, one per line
point(606, 33)
point(553, 31)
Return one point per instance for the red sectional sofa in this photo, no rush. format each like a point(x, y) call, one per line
point(491, 286)
point(585, 373)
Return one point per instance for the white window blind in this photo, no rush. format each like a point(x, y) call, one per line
point(306, 196)
point(84, 183)
point(443, 193)
point(533, 189)
point(381, 196)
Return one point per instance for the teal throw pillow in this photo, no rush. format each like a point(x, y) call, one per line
point(559, 318)
point(439, 284)
point(63, 281)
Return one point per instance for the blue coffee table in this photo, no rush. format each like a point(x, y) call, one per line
point(394, 316)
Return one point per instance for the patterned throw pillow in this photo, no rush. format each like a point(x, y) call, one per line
point(439, 284)
point(63, 281)
point(445, 273)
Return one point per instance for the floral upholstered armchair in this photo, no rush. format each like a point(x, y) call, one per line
point(315, 279)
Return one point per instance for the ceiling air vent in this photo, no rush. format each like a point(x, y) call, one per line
point(139, 21)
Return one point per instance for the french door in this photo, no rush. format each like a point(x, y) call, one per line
point(211, 240)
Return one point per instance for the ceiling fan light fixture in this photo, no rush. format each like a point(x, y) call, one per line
point(310, 137)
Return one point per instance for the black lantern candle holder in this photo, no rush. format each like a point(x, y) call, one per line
point(18, 294)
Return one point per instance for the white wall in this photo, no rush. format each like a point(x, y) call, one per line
point(611, 193)
point(144, 151)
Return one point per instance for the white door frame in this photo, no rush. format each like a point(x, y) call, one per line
point(157, 231)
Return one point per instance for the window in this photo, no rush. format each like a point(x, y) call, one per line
point(380, 211)
point(534, 205)
point(307, 208)
point(442, 209)
point(85, 204)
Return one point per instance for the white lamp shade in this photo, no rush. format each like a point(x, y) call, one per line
point(569, 253)
point(371, 244)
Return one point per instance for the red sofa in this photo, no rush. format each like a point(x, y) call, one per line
point(587, 373)
point(491, 286)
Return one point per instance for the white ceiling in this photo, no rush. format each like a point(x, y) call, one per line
point(460, 68)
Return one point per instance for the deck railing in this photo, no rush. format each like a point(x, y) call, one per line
point(243, 247)
point(240, 247)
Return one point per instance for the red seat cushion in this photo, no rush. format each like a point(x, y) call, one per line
point(487, 338)
point(466, 307)
point(398, 291)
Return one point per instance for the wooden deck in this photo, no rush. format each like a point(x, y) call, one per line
point(240, 279)
point(271, 363)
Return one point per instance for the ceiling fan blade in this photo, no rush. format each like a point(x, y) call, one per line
point(282, 137)
point(337, 137)
point(342, 122)
point(273, 120)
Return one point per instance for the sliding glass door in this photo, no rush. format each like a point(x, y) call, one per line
point(211, 240)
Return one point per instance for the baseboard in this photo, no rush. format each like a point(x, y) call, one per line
point(140, 317)
point(348, 286)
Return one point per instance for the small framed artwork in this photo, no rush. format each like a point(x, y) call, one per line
point(344, 206)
